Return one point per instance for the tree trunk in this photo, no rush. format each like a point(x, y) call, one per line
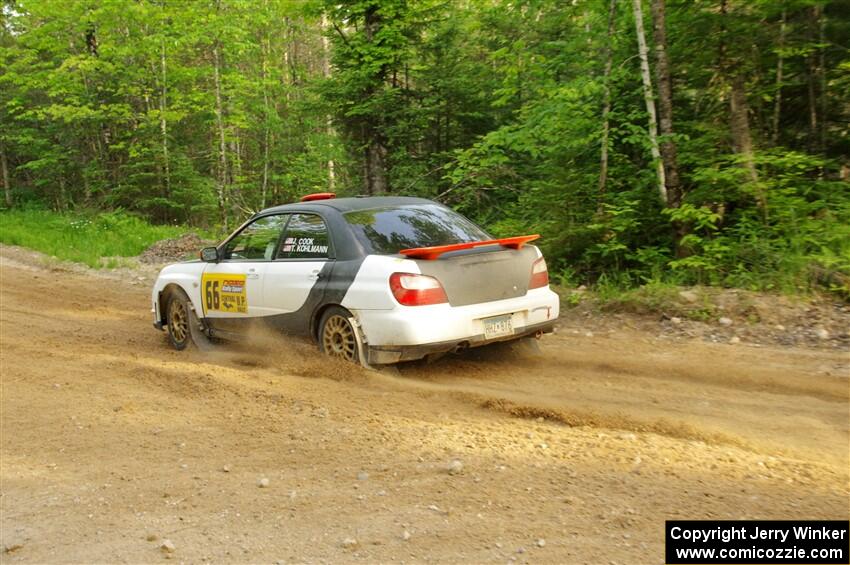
point(163, 125)
point(650, 100)
point(821, 22)
point(235, 164)
point(606, 105)
point(376, 168)
point(777, 103)
point(266, 126)
point(665, 105)
point(739, 121)
point(4, 169)
point(743, 144)
point(811, 75)
point(221, 188)
point(376, 150)
point(286, 77)
point(447, 109)
point(675, 193)
point(326, 71)
point(62, 197)
point(740, 125)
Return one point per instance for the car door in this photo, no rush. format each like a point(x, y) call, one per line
point(232, 289)
point(295, 281)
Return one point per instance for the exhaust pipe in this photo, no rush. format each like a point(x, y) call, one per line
point(538, 334)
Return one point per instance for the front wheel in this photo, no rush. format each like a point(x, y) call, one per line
point(183, 325)
point(336, 335)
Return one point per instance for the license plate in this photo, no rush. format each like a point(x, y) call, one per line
point(498, 326)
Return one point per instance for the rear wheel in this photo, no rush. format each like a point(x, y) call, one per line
point(336, 335)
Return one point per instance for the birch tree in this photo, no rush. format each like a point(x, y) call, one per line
point(665, 104)
point(649, 100)
point(222, 188)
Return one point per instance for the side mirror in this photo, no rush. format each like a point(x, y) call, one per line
point(209, 255)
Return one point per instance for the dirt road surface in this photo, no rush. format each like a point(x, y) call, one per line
point(113, 443)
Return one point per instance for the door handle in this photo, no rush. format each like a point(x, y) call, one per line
point(317, 274)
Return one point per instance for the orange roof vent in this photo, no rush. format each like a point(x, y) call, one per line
point(318, 196)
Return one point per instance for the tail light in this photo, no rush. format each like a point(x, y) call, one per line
point(539, 274)
point(417, 290)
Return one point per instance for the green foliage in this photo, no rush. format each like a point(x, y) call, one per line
point(538, 171)
point(655, 296)
point(115, 104)
point(203, 112)
point(83, 237)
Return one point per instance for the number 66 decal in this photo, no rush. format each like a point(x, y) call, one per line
point(224, 293)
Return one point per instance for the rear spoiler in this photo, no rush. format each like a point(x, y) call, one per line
point(432, 253)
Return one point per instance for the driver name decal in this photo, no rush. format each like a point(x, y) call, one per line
point(303, 245)
point(224, 293)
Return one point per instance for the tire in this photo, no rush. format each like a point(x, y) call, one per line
point(183, 325)
point(336, 335)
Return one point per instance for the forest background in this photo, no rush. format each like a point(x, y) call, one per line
point(677, 142)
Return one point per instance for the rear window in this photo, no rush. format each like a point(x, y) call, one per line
point(386, 231)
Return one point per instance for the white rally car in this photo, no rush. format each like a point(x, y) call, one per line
point(373, 280)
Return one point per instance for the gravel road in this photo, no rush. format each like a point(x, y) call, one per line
point(116, 448)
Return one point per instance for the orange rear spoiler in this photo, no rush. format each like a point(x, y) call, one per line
point(431, 253)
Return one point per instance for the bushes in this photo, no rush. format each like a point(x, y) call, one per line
point(799, 242)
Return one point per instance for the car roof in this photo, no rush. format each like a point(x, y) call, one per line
point(348, 204)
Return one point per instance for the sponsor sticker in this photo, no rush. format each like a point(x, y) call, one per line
point(224, 293)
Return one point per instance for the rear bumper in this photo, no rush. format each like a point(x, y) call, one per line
point(386, 354)
point(405, 332)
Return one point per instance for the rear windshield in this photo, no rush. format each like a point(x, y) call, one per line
point(386, 231)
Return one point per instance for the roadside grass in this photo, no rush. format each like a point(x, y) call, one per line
point(98, 240)
point(651, 298)
point(657, 300)
point(659, 297)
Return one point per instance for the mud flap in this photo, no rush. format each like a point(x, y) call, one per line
point(196, 330)
point(361, 349)
point(362, 353)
